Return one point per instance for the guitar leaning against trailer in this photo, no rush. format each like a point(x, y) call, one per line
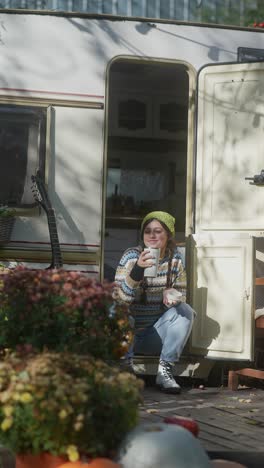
point(41, 196)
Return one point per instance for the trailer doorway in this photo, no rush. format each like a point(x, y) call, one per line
point(147, 151)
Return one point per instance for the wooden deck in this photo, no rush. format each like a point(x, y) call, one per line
point(231, 422)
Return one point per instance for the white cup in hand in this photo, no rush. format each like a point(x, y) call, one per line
point(152, 270)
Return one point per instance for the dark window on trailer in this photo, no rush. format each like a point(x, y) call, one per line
point(248, 54)
point(22, 150)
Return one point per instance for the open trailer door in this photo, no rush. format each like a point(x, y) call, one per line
point(228, 208)
point(222, 295)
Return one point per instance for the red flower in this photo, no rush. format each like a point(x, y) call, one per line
point(258, 25)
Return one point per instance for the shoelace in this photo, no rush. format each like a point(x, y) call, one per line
point(130, 362)
point(127, 362)
point(167, 372)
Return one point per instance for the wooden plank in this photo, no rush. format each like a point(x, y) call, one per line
point(227, 422)
point(233, 380)
point(248, 372)
point(230, 430)
point(233, 376)
point(253, 459)
point(260, 322)
point(220, 421)
point(259, 281)
point(223, 428)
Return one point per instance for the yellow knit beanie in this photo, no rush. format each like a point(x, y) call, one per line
point(162, 216)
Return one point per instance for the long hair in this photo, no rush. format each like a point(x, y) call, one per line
point(170, 247)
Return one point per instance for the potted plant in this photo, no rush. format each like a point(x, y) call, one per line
point(67, 405)
point(57, 398)
point(7, 219)
point(60, 310)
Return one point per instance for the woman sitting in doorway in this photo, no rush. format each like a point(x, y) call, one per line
point(163, 321)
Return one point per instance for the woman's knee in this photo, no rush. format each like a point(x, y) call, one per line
point(169, 314)
point(186, 311)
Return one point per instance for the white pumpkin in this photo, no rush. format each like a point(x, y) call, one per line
point(160, 445)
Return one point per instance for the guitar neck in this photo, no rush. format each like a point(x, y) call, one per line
point(54, 240)
point(41, 196)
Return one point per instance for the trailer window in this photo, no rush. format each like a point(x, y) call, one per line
point(249, 54)
point(22, 149)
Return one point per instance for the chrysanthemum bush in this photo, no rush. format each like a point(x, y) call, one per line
point(60, 310)
point(65, 404)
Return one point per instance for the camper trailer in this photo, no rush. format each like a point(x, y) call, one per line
point(114, 117)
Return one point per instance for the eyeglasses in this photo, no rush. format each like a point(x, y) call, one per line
point(155, 232)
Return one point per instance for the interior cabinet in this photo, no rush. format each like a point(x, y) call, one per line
point(139, 116)
point(132, 116)
point(170, 118)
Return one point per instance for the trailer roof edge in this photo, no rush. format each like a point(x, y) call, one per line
point(101, 16)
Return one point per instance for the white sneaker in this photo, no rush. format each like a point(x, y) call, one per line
point(165, 380)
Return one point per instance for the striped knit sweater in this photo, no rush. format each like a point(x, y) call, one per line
point(146, 309)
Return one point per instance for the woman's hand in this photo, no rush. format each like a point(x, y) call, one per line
point(171, 297)
point(145, 259)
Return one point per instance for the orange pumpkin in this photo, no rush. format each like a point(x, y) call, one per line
point(95, 463)
point(44, 460)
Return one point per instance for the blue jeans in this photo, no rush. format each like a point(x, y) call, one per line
point(167, 336)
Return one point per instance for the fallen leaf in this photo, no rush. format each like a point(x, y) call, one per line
point(254, 422)
point(226, 406)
